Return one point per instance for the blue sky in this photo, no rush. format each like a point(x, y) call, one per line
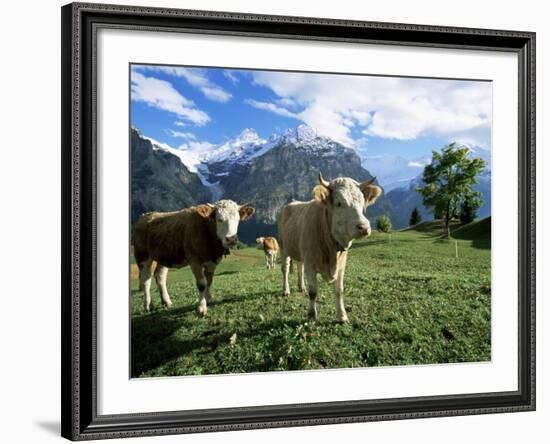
point(200, 108)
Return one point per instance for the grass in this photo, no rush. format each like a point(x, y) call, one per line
point(410, 301)
point(476, 231)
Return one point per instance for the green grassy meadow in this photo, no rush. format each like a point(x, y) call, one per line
point(408, 298)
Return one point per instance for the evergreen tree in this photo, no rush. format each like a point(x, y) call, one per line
point(416, 218)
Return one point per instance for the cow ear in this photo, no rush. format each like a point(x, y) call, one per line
point(205, 210)
point(321, 193)
point(246, 212)
point(370, 192)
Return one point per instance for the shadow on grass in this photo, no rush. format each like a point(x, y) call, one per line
point(483, 244)
point(222, 273)
point(364, 244)
point(154, 344)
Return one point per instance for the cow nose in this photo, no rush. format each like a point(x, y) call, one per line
point(231, 240)
point(364, 228)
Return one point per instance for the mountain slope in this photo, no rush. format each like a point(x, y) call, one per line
point(399, 202)
point(159, 180)
point(398, 205)
point(395, 171)
point(476, 230)
point(289, 171)
point(268, 174)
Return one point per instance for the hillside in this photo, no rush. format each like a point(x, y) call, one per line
point(266, 174)
point(477, 230)
point(399, 202)
point(159, 180)
point(287, 172)
point(432, 227)
point(410, 301)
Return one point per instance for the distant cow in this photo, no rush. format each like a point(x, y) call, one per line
point(198, 236)
point(270, 247)
point(318, 234)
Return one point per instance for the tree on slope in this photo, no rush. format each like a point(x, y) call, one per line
point(448, 181)
point(416, 218)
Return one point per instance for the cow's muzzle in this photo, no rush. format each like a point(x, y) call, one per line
point(231, 241)
point(363, 229)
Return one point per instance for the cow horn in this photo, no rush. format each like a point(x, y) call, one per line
point(244, 205)
point(323, 181)
point(370, 182)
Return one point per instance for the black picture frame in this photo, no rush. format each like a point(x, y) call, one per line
point(80, 22)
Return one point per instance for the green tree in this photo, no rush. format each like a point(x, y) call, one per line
point(437, 215)
point(383, 224)
point(448, 180)
point(469, 207)
point(416, 218)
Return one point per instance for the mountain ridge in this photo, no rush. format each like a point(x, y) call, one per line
point(267, 173)
point(159, 180)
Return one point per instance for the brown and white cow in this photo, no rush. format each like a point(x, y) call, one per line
point(198, 236)
point(318, 234)
point(271, 248)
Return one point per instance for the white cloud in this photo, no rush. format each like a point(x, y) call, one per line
point(287, 103)
point(195, 77)
point(162, 95)
point(474, 138)
point(228, 73)
point(416, 164)
point(393, 108)
point(182, 135)
point(271, 107)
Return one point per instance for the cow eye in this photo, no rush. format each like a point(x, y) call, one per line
point(338, 204)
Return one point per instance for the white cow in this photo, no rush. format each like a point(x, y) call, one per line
point(318, 234)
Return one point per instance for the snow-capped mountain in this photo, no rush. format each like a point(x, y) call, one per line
point(160, 180)
point(249, 145)
point(395, 171)
point(248, 169)
point(192, 160)
point(213, 163)
point(242, 148)
point(306, 138)
point(269, 173)
point(289, 170)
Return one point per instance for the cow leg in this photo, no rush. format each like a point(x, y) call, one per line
point(286, 268)
point(301, 283)
point(145, 282)
point(341, 315)
point(140, 270)
point(200, 279)
point(161, 273)
point(267, 261)
point(209, 274)
point(273, 259)
point(312, 290)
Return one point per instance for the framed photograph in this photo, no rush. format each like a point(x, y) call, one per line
point(279, 221)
